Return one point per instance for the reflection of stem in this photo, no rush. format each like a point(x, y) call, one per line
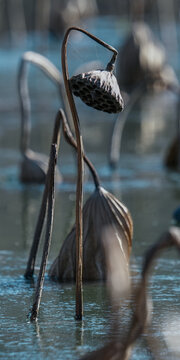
point(79, 186)
point(118, 128)
point(79, 334)
point(53, 73)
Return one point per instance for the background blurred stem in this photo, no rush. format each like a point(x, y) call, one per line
point(54, 75)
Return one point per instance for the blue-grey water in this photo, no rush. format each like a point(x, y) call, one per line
point(141, 181)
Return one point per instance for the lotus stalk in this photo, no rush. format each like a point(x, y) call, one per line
point(79, 185)
point(48, 207)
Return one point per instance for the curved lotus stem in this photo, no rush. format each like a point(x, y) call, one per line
point(70, 139)
point(60, 117)
point(169, 239)
point(53, 73)
point(79, 186)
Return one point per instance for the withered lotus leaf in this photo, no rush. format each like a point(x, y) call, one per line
point(98, 89)
point(102, 210)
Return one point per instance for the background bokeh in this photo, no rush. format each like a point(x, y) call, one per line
point(141, 181)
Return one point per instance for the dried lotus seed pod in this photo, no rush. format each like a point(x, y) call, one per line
point(98, 89)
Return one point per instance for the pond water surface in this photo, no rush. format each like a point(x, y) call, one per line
point(141, 181)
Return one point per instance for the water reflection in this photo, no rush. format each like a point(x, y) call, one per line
point(141, 182)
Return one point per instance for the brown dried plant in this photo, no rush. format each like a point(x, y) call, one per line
point(102, 209)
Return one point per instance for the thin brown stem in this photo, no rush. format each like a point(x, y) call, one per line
point(33, 252)
point(70, 139)
point(93, 37)
point(50, 215)
point(79, 185)
point(34, 248)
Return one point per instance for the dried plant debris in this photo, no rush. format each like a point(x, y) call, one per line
point(100, 211)
point(98, 89)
